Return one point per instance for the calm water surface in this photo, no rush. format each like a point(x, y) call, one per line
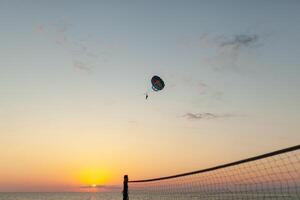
point(60, 196)
point(118, 196)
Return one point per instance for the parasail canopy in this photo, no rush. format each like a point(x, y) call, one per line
point(157, 83)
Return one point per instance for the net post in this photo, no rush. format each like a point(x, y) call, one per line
point(125, 188)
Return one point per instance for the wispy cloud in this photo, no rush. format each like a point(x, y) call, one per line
point(198, 116)
point(239, 41)
point(229, 49)
point(83, 51)
point(82, 66)
point(133, 122)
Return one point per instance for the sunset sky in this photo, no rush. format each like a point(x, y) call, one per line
point(73, 76)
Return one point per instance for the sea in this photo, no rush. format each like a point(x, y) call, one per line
point(61, 196)
point(118, 196)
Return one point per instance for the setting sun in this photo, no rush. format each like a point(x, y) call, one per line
point(94, 177)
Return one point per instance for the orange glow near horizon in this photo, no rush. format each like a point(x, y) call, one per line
point(94, 176)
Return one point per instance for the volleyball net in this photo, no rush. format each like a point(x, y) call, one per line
point(274, 175)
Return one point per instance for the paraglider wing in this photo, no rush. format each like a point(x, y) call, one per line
point(157, 83)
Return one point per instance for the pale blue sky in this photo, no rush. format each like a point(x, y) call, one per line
point(123, 43)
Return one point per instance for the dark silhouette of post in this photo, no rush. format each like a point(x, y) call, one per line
point(125, 188)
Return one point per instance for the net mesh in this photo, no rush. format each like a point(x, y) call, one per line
point(272, 177)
